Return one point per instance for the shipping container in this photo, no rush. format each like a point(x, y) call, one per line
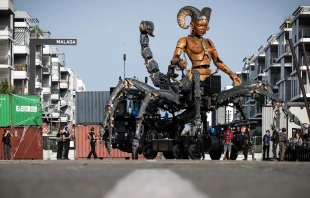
point(83, 147)
point(27, 143)
point(5, 110)
point(90, 107)
point(26, 110)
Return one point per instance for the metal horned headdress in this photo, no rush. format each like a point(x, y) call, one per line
point(194, 13)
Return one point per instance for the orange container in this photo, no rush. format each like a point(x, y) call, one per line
point(83, 145)
point(27, 143)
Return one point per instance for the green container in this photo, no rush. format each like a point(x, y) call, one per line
point(5, 110)
point(26, 110)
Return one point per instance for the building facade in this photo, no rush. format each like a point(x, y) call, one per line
point(273, 64)
point(54, 81)
point(6, 40)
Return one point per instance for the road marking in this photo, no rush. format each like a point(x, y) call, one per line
point(154, 183)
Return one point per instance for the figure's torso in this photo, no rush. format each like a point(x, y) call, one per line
point(196, 52)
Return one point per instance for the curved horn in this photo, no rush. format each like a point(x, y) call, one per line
point(187, 11)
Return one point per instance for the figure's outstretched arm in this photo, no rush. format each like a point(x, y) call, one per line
point(222, 66)
point(176, 60)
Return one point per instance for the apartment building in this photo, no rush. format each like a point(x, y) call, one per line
point(284, 58)
point(273, 64)
point(301, 37)
point(21, 51)
point(6, 40)
point(51, 77)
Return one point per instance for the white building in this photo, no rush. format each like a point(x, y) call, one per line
point(274, 63)
point(6, 40)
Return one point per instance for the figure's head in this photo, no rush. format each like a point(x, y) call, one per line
point(199, 19)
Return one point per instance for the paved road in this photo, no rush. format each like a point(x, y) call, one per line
point(162, 178)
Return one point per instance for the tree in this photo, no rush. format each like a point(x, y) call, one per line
point(37, 30)
point(6, 89)
point(288, 18)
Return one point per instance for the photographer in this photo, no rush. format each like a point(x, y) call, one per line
point(66, 142)
point(6, 139)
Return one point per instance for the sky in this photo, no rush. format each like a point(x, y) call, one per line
point(105, 30)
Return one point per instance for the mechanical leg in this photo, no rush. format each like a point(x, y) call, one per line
point(135, 142)
point(197, 99)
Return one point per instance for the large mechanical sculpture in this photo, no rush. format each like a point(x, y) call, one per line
point(188, 99)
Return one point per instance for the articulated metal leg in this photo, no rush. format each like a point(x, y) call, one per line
point(238, 105)
point(135, 142)
point(108, 121)
point(197, 98)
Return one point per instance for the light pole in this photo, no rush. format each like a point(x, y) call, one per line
point(124, 57)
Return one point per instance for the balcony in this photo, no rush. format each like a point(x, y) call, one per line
point(21, 49)
point(6, 32)
point(63, 69)
point(38, 85)
point(55, 78)
point(7, 5)
point(55, 94)
point(63, 84)
point(5, 61)
point(39, 59)
point(63, 102)
point(304, 34)
point(302, 61)
point(46, 89)
point(63, 118)
point(20, 71)
point(55, 114)
point(46, 70)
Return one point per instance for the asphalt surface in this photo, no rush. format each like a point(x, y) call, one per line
point(161, 178)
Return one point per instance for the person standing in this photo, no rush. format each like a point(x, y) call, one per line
point(200, 146)
point(275, 142)
point(92, 138)
point(282, 143)
point(298, 144)
point(266, 143)
point(66, 142)
point(228, 136)
point(60, 144)
point(6, 139)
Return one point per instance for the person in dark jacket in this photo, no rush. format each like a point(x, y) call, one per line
point(60, 144)
point(66, 142)
point(275, 142)
point(92, 138)
point(6, 139)
point(266, 143)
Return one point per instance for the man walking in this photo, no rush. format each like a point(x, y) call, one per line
point(282, 143)
point(91, 136)
point(266, 143)
point(228, 136)
point(6, 139)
